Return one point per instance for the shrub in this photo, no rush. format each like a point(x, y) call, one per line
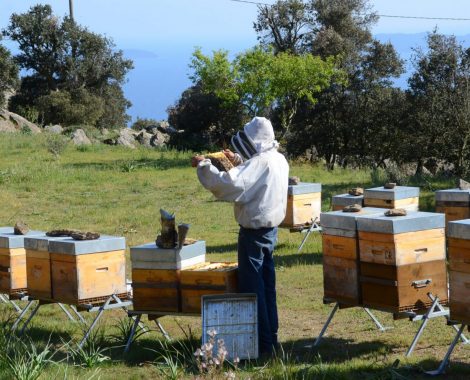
point(56, 144)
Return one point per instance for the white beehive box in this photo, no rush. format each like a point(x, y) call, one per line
point(235, 319)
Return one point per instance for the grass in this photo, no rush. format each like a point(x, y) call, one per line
point(118, 191)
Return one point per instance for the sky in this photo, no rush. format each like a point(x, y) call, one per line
point(160, 35)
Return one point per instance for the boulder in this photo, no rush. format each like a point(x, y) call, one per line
point(127, 138)
point(57, 129)
point(144, 139)
point(159, 139)
point(79, 137)
point(12, 122)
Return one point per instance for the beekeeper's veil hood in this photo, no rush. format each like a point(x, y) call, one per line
point(256, 137)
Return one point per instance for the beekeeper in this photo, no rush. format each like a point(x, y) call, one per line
point(258, 187)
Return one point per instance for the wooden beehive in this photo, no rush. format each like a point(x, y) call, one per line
point(403, 288)
point(303, 204)
point(205, 279)
point(341, 255)
point(13, 261)
point(458, 233)
point(454, 203)
point(156, 274)
point(38, 266)
point(400, 240)
point(340, 201)
point(88, 271)
point(398, 197)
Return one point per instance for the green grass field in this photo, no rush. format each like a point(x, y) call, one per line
point(118, 191)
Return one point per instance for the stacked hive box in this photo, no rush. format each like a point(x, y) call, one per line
point(454, 203)
point(398, 197)
point(13, 260)
point(402, 260)
point(206, 279)
point(341, 254)
point(87, 271)
point(38, 266)
point(338, 202)
point(303, 204)
point(156, 274)
point(458, 234)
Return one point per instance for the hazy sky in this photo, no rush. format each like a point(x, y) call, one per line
point(170, 29)
point(137, 22)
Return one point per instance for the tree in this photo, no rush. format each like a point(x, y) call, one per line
point(286, 26)
point(339, 125)
point(8, 73)
point(67, 58)
point(439, 91)
point(205, 119)
point(259, 81)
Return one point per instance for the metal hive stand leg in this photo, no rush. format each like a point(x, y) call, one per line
point(376, 321)
point(6, 299)
point(441, 369)
point(132, 333)
point(325, 326)
point(95, 321)
point(313, 227)
point(424, 322)
point(23, 313)
point(67, 313)
point(162, 330)
point(74, 309)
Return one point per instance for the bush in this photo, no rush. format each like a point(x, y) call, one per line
point(56, 144)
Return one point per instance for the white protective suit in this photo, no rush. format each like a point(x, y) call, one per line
point(258, 186)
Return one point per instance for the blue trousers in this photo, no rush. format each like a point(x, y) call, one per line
point(256, 275)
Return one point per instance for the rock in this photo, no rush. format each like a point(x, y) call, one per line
point(79, 137)
point(463, 185)
point(152, 129)
point(78, 235)
point(352, 208)
point(57, 129)
point(11, 122)
point(126, 138)
point(144, 139)
point(356, 191)
point(390, 185)
point(20, 228)
point(395, 212)
point(61, 232)
point(159, 139)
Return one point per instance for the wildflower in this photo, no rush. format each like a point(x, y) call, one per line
point(212, 332)
point(198, 352)
point(207, 347)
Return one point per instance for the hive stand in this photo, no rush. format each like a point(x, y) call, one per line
point(10, 300)
point(314, 227)
point(434, 311)
point(112, 302)
point(337, 306)
point(152, 315)
point(445, 362)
